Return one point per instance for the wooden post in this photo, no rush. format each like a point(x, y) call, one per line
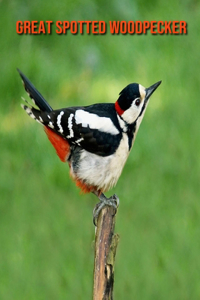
point(105, 249)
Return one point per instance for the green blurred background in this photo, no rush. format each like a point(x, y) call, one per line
point(46, 230)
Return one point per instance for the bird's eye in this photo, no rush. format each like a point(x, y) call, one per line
point(137, 102)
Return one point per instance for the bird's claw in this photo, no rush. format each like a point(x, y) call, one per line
point(112, 201)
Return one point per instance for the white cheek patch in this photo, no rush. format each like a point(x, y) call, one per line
point(95, 122)
point(131, 114)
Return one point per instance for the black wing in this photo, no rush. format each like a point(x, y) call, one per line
point(91, 128)
point(95, 128)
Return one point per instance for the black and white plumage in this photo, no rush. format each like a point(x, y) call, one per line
point(96, 139)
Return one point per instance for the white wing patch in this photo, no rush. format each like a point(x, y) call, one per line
point(41, 120)
point(95, 122)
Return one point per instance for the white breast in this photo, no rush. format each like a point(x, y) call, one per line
point(99, 171)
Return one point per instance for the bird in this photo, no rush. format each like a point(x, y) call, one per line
point(94, 140)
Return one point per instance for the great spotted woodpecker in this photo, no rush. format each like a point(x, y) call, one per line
point(95, 140)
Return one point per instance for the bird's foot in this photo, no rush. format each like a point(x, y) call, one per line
point(112, 201)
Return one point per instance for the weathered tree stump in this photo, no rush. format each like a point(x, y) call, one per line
point(105, 249)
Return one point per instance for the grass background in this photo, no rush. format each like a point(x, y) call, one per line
point(46, 231)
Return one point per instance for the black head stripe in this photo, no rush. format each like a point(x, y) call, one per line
point(127, 95)
point(130, 133)
point(143, 107)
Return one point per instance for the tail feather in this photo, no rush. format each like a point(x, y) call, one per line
point(37, 98)
point(47, 117)
point(40, 116)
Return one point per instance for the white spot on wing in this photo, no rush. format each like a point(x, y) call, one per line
point(29, 112)
point(95, 122)
point(50, 125)
point(71, 133)
point(79, 140)
point(59, 121)
point(40, 118)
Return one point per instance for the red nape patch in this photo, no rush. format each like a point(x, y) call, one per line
point(61, 145)
point(118, 109)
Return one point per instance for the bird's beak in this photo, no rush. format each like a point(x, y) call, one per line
point(151, 89)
